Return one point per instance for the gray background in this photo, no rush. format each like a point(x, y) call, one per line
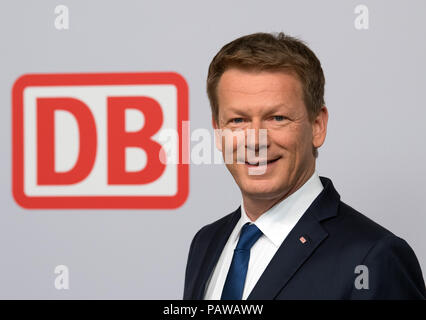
point(374, 152)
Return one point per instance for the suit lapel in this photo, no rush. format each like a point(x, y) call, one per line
point(213, 252)
point(294, 250)
point(289, 257)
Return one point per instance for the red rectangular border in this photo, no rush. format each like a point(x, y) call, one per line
point(97, 202)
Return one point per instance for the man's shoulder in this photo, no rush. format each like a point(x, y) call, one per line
point(353, 221)
point(387, 256)
point(209, 230)
point(345, 224)
point(355, 230)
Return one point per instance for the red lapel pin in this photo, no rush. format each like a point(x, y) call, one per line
point(302, 239)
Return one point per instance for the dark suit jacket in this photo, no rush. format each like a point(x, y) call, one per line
point(338, 239)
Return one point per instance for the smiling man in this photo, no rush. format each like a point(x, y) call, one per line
point(292, 237)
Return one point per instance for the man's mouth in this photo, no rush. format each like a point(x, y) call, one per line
point(258, 163)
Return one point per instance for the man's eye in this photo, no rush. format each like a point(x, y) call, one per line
point(237, 120)
point(279, 118)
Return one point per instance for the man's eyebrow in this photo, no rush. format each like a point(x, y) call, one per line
point(270, 109)
point(275, 108)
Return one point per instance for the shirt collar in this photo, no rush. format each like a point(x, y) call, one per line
point(278, 221)
point(241, 222)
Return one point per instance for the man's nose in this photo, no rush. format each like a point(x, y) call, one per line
point(257, 136)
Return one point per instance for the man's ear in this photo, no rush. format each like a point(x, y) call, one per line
point(217, 134)
point(319, 128)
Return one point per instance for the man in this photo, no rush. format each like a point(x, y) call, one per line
point(292, 237)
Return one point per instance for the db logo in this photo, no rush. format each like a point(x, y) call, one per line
point(93, 140)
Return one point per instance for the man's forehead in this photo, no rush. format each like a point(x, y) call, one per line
point(252, 83)
point(258, 91)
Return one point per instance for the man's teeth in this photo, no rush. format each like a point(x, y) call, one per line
point(261, 162)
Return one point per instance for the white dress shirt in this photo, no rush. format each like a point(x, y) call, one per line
point(275, 224)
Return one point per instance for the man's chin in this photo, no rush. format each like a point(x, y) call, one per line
point(261, 189)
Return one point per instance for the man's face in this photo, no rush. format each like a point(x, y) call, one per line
point(271, 101)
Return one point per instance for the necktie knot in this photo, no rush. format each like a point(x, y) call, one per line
point(250, 233)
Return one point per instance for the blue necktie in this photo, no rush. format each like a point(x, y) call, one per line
point(234, 283)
